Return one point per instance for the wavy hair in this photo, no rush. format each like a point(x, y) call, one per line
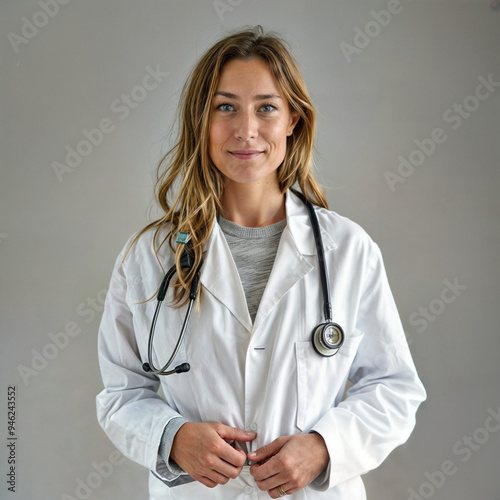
point(189, 187)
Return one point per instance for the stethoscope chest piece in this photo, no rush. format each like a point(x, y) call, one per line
point(327, 339)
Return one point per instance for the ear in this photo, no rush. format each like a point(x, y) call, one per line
point(294, 118)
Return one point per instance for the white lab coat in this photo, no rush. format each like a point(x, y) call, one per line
point(263, 376)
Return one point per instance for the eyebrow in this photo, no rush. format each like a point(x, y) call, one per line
point(259, 97)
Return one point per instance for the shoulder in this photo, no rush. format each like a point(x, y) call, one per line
point(146, 251)
point(341, 227)
point(338, 231)
point(348, 235)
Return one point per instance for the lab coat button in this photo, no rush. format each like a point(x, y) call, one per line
point(254, 427)
point(248, 490)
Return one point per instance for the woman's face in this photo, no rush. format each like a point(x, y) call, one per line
point(250, 122)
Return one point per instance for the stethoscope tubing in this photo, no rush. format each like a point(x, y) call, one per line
point(321, 342)
point(161, 295)
point(327, 305)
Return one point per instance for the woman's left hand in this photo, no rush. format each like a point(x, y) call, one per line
point(291, 462)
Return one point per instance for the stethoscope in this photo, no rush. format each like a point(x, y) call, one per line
point(327, 337)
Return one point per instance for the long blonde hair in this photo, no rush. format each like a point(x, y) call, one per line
point(189, 189)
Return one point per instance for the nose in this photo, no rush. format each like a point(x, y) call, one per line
point(246, 126)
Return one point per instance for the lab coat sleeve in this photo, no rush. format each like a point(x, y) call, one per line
point(129, 409)
point(378, 412)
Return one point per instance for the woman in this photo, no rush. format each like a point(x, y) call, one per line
point(260, 412)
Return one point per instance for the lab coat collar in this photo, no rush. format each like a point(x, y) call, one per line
point(219, 274)
point(300, 226)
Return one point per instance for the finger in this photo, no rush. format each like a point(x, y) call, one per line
point(234, 433)
point(270, 483)
point(242, 453)
point(223, 462)
point(232, 458)
point(227, 470)
point(205, 481)
point(263, 473)
point(215, 471)
point(276, 492)
point(267, 451)
point(219, 477)
point(227, 452)
point(289, 490)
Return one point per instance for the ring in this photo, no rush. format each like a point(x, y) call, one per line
point(282, 492)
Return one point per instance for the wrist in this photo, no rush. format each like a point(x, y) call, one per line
point(321, 448)
point(166, 444)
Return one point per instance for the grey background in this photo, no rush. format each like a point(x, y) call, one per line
point(59, 236)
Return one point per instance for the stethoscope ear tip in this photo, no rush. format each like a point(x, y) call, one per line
point(184, 367)
point(146, 367)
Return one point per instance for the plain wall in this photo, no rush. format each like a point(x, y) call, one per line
point(377, 95)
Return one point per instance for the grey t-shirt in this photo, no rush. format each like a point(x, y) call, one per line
point(254, 251)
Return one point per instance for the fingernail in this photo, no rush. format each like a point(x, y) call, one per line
point(252, 455)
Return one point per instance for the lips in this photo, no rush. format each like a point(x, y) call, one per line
point(246, 154)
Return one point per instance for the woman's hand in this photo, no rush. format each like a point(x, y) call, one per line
point(200, 450)
point(291, 462)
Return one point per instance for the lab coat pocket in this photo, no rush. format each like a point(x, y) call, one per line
point(321, 380)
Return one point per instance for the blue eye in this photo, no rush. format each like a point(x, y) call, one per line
point(269, 107)
point(225, 106)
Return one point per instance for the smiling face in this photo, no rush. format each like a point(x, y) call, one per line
point(250, 122)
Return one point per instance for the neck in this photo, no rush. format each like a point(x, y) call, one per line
point(250, 205)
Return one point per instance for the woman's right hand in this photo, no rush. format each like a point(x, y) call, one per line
point(201, 450)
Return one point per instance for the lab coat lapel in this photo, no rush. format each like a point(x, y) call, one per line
point(220, 277)
point(290, 266)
